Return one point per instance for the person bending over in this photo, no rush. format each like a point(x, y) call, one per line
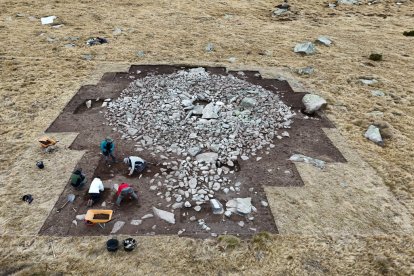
point(125, 190)
point(95, 191)
point(135, 164)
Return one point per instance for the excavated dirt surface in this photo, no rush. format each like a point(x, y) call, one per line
point(274, 169)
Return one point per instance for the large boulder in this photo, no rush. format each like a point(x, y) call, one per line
point(164, 215)
point(242, 206)
point(313, 103)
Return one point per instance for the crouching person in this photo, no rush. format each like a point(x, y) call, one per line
point(95, 191)
point(125, 190)
point(135, 164)
point(78, 179)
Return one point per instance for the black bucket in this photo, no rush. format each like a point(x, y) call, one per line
point(112, 245)
point(129, 244)
point(40, 164)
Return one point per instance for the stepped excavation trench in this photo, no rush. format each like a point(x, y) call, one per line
point(273, 169)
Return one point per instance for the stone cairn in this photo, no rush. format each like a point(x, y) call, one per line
point(200, 124)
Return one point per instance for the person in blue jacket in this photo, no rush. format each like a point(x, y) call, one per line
point(107, 148)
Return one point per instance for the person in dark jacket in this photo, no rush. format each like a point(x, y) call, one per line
point(78, 179)
point(107, 148)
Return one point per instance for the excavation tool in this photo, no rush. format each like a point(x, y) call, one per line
point(71, 198)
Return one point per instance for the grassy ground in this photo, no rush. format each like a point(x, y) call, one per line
point(38, 75)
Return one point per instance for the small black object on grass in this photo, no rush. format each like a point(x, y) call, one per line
point(129, 244)
point(112, 245)
point(408, 33)
point(375, 57)
point(40, 164)
point(27, 198)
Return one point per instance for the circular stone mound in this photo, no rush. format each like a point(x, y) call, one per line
point(210, 120)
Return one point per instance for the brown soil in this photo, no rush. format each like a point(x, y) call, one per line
point(101, 216)
point(274, 169)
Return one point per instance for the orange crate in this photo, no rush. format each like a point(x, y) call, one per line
point(92, 215)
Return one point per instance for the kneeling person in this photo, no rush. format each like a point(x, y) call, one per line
point(125, 190)
point(95, 191)
point(135, 164)
point(78, 179)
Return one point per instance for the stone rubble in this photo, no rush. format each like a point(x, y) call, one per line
point(199, 125)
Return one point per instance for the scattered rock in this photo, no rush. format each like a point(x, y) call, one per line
point(136, 222)
point(242, 206)
point(377, 93)
point(117, 31)
point(324, 40)
point(81, 217)
point(279, 12)
point(307, 48)
point(306, 70)
point(216, 206)
point(140, 54)
point(232, 59)
point(147, 216)
point(47, 20)
point(368, 81)
point(87, 57)
point(241, 223)
point(348, 2)
point(164, 215)
point(75, 222)
point(309, 160)
point(177, 205)
point(209, 47)
point(264, 203)
point(96, 41)
point(88, 104)
point(197, 208)
point(373, 134)
point(117, 226)
point(313, 103)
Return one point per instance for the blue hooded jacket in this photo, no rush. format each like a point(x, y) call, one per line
point(103, 146)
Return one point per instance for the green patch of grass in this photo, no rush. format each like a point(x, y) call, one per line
point(229, 241)
point(261, 239)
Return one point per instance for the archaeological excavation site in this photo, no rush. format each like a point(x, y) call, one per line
point(213, 140)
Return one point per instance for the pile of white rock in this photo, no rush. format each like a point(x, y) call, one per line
point(200, 124)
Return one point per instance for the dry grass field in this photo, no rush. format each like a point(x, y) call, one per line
point(365, 230)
